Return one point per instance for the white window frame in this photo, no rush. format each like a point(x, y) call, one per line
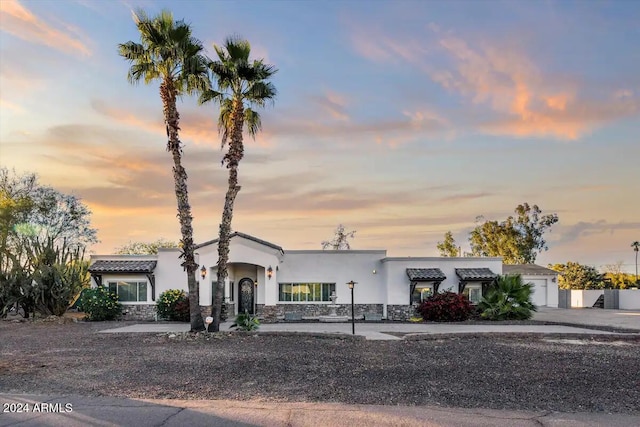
point(106, 282)
point(307, 283)
point(467, 292)
point(421, 288)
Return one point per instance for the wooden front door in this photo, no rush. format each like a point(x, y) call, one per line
point(246, 292)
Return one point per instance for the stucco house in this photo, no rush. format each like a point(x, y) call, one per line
point(269, 281)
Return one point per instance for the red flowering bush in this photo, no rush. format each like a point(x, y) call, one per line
point(446, 307)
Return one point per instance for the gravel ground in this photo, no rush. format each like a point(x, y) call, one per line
point(527, 372)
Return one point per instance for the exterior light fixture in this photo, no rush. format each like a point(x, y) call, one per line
point(374, 271)
point(269, 272)
point(203, 272)
point(353, 315)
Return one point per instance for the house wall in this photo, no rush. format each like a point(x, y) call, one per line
point(169, 273)
point(398, 286)
point(243, 251)
point(143, 310)
point(337, 267)
point(545, 289)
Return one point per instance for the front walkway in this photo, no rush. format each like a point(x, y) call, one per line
point(372, 331)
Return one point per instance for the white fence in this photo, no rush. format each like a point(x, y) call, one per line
point(629, 299)
point(585, 298)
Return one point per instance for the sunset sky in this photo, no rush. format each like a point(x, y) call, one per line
point(399, 119)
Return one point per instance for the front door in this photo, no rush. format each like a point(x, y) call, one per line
point(245, 302)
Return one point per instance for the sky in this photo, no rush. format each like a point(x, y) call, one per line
point(399, 119)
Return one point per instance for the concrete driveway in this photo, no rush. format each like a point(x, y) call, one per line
point(624, 319)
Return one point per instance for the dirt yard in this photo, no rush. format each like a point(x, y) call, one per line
point(516, 372)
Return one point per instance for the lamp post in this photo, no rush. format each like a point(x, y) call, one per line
point(353, 315)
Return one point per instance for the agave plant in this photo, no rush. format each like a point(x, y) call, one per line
point(246, 322)
point(508, 299)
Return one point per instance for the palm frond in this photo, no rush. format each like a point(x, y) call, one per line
point(225, 122)
point(209, 95)
point(252, 121)
point(237, 48)
point(260, 93)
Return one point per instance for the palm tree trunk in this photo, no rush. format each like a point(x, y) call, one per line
point(636, 265)
point(232, 158)
point(168, 93)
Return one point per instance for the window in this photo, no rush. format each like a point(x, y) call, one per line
point(129, 291)
point(473, 293)
point(421, 293)
point(305, 292)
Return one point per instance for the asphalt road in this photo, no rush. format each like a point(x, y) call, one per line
point(78, 411)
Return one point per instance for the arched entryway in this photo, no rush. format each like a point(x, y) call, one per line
point(246, 296)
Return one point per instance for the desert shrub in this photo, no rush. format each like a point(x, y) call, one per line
point(445, 307)
point(99, 304)
point(508, 299)
point(246, 322)
point(173, 304)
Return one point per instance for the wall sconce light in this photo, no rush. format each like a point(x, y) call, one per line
point(374, 271)
point(269, 272)
point(553, 280)
point(203, 272)
point(255, 283)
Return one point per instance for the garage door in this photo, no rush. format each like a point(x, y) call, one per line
point(539, 296)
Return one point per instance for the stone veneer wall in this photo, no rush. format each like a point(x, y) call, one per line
point(148, 311)
point(139, 312)
point(207, 311)
point(400, 312)
point(273, 312)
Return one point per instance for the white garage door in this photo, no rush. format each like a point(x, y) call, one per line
point(539, 296)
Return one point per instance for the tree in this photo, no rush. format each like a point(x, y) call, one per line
point(168, 52)
point(43, 235)
point(517, 240)
point(340, 239)
point(243, 85)
point(509, 298)
point(448, 248)
point(636, 247)
point(145, 248)
point(577, 276)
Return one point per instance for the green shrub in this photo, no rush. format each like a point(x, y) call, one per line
point(173, 304)
point(445, 307)
point(508, 299)
point(99, 304)
point(246, 322)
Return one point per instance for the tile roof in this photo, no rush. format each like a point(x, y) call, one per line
point(527, 269)
point(475, 274)
point(123, 266)
point(246, 236)
point(425, 274)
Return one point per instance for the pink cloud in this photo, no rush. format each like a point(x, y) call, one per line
point(20, 22)
point(526, 100)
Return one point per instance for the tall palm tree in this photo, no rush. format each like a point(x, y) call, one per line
point(242, 84)
point(169, 53)
point(636, 247)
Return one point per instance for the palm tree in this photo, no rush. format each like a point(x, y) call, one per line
point(168, 52)
point(243, 84)
point(636, 247)
point(508, 298)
